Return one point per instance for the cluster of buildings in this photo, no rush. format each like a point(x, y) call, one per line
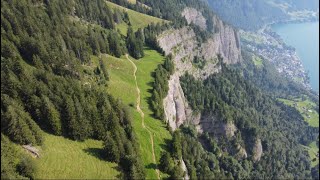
point(281, 55)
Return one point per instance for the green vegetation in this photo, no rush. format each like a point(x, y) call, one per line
point(229, 98)
point(135, 42)
point(247, 36)
point(49, 83)
point(269, 80)
point(306, 108)
point(70, 89)
point(313, 151)
point(160, 87)
point(122, 85)
point(12, 157)
point(257, 61)
point(310, 115)
point(63, 158)
point(132, 1)
point(198, 62)
point(137, 20)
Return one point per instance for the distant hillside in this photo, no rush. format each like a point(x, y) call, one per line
point(253, 14)
point(137, 20)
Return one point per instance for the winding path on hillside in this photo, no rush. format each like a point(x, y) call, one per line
point(142, 114)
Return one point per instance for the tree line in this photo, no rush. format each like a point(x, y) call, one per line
point(160, 86)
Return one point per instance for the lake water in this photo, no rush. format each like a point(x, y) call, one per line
point(304, 37)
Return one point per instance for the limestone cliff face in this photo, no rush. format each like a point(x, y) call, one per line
point(183, 45)
point(209, 123)
point(257, 150)
point(185, 170)
point(194, 16)
point(176, 109)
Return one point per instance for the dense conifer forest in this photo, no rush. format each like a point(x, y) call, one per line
point(42, 51)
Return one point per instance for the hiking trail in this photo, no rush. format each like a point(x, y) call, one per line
point(142, 114)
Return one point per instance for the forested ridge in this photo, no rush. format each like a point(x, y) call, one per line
point(232, 98)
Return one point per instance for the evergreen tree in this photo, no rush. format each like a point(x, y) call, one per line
point(110, 149)
point(166, 163)
point(52, 115)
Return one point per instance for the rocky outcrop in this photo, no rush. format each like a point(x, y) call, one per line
point(257, 150)
point(176, 109)
point(183, 45)
point(185, 170)
point(209, 123)
point(195, 17)
point(242, 153)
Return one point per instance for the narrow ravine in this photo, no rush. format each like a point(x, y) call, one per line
point(142, 114)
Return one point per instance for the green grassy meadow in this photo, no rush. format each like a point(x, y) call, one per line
point(145, 66)
point(122, 85)
point(306, 108)
point(138, 20)
point(313, 152)
point(62, 158)
point(132, 1)
point(257, 61)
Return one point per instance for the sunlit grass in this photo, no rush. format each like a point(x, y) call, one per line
point(62, 158)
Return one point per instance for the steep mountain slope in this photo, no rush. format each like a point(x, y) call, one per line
point(122, 85)
point(189, 105)
point(71, 100)
point(185, 48)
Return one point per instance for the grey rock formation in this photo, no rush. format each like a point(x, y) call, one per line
point(176, 108)
point(242, 153)
point(185, 170)
point(195, 17)
point(209, 123)
point(257, 150)
point(183, 45)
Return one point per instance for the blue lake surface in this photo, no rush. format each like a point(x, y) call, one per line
point(304, 37)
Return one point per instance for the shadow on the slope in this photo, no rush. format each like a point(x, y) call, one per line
point(151, 166)
point(96, 152)
point(167, 145)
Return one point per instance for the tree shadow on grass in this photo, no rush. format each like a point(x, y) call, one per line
point(167, 144)
point(96, 152)
point(151, 166)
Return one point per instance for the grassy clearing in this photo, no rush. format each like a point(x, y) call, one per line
point(62, 158)
point(306, 108)
point(138, 20)
point(122, 85)
point(313, 152)
point(251, 37)
point(258, 62)
point(132, 1)
point(145, 66)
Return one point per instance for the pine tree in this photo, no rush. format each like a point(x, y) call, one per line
point(110, 149)
point(52, 116)
point(166, 163)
